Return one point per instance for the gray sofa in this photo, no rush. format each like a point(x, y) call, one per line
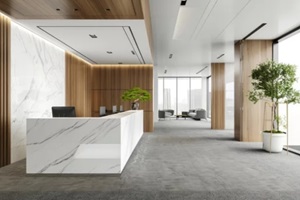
point(197, 114)
point(162, 114)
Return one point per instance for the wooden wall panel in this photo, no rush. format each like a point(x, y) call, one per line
point(5, 134)
point(252, 52)
point(78, 85)
point(218, 96)
point(110, 81)
point(87, 9)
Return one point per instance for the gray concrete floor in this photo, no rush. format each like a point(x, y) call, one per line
point(182, 159)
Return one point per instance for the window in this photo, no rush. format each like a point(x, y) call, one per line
point(288, 52)
point(181, 94)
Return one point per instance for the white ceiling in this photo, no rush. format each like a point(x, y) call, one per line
point(205, 30)
point(208, 28)
point(125, 39)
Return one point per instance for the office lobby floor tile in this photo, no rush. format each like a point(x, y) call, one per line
point(181, 159)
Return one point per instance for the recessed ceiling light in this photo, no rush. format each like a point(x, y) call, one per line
point(93, 36)
point(183, 2)
point(109, 52)
point(220, 56)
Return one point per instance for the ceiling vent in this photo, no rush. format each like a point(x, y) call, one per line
point(183, 2)
point(93, 36)
point(201, 70)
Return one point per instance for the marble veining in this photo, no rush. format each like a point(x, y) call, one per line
point(82, 145)
point(37, 83)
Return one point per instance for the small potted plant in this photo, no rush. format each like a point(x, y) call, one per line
point(274, 82)
point(136, 94)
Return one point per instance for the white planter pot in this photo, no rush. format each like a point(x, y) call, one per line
point(277, 142)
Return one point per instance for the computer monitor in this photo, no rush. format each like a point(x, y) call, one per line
point(63, 111)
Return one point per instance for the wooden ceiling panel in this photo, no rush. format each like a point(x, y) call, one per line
point(72, 9)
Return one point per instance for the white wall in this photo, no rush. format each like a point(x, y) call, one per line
point(37, 83)
point(229, 96)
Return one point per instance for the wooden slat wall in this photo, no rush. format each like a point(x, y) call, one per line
point(110, 81)
point(252, 52)
point(5, 142)
point(72, 9)
point(218, 96)
point(78, 85)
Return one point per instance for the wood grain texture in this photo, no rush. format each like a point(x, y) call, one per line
point(110, 81)
point(78, 85)
point(5, 113)
point(218, 96)
point(251, 115)
point(72, 9)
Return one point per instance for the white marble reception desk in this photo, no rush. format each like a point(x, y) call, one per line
point(82, 145)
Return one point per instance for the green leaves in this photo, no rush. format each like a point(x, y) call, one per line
point(274, 81)
point(136, 94)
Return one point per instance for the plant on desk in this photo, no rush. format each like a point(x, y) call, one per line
point(136, 94)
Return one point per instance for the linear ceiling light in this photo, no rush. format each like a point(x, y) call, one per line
point(255, 30)
point(220, 56)
point(93, 36)
point(202, 69)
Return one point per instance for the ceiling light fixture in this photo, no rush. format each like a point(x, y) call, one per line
point(255, 30)
point(220, 56)
point(202, 69)
point(170, 56)
point(109, 52)
point(93, 36)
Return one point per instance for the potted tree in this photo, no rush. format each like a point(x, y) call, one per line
point(274, 82)
point(136, 94)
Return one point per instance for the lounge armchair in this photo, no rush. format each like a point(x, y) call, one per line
point(197, 114)
point(165, 113)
